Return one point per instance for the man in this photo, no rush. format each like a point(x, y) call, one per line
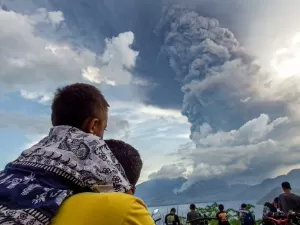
point(246, 216)
point(73, 158)
point(287, 200)
point(109, 208)
point(193, 215)
point(222, 216)
point(172, 218)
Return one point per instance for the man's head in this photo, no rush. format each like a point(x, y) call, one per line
point(82, 106)
point(192, 207)
point(244, 206)
point(129, 158)
point(286, 186)
point(173, 211)
point(221, 207)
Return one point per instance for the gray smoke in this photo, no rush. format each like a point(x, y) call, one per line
point(216, 73)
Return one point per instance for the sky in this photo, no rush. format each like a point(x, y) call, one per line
point(203, 89)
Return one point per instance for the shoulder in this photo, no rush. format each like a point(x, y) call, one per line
point(97, 209)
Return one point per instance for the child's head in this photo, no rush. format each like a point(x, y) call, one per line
point(244, 206)
point(221, 207)
point(82, 106)
point(192, 207)
point(286, 186)
point(275, 202)
point(173, 211)
point(128, 157)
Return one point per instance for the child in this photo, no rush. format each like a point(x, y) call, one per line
point(222, 216)
point(246, 216)
point(193, 216)
point(104, 208)
point(73, 158)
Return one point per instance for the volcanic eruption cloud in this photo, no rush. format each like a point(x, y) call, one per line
point(218, 76)
point(223, 101)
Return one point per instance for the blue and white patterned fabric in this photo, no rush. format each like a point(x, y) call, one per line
point(66, 162)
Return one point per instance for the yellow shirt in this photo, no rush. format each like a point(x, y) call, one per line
point(103, 209)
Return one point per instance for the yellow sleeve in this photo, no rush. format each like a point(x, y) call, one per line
point(138, 214)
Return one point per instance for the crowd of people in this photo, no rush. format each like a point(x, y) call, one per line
point(195, 218)
point(284, 203)
point(73, 176)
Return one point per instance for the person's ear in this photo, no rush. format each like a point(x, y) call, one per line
point(92, 126)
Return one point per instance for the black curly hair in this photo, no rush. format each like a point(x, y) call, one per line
point(286, 185)
point(221, 207)
point(75, 103)
point(192, 206)
point(128, 157)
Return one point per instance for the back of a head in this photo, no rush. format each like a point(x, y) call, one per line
point(276, 200)
point(173, 210)
point(192, 207)
point(267, 204)
point(128, 157)
point(221, 207)
point(286, 185)
point(74, 104)
point(244, 206)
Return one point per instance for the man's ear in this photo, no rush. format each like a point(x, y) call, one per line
point(89, 126)
point(92, 126)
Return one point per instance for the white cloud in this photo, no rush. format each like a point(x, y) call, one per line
point(93, 74)
point(56, 17)
point(241, 149)
point(168, 171)
point(141, 82)
point(37, 96)
point(257, 150)
point(43, 16)
point(251, 132)
point(245, 100)
point(285, 60)
point(117, 61)
point(37, 65)
point(139, 113)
